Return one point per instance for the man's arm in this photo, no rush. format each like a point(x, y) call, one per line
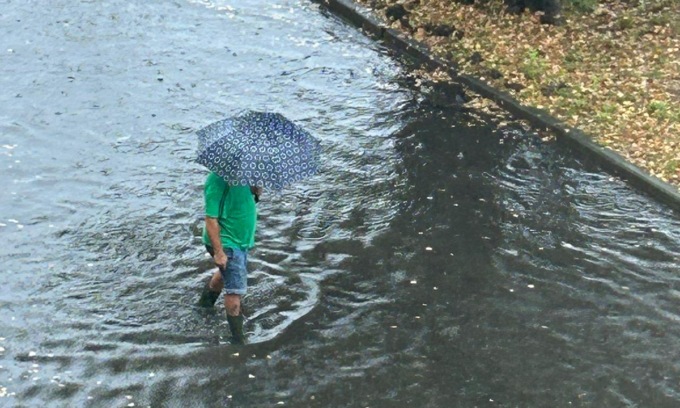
point(213, 228)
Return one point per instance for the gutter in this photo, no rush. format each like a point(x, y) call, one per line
point(575, 139)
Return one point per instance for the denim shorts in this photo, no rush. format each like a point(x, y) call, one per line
point(235, 276)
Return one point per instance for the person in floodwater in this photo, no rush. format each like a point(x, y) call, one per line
point(230, 219)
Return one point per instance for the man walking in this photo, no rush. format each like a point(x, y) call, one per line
point(230, 219)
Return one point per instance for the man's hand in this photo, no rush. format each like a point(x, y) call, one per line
point(220, 259)
point(257, 192)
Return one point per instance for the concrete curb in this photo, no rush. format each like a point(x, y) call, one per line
point(574, 138)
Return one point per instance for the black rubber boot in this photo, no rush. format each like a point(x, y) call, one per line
point(208, 297)
point(236, 327)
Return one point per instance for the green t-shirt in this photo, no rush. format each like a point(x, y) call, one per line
point(238, 215)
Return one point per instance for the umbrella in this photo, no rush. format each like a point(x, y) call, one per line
point(261, 149)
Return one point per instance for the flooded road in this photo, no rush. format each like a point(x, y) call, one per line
point(440, 258)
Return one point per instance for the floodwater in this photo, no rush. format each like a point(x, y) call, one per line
point(441, 258)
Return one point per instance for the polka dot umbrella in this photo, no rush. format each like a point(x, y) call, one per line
point(258, 149)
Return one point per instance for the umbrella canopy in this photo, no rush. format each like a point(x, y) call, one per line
point(259, 149)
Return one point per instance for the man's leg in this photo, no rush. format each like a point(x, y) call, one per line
point(216, 282)
point(212, 290)
point(232, 303)
point(236, 284)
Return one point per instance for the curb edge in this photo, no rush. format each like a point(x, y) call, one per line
point(576, 139)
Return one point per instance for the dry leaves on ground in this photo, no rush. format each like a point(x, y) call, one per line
point(613, 72)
